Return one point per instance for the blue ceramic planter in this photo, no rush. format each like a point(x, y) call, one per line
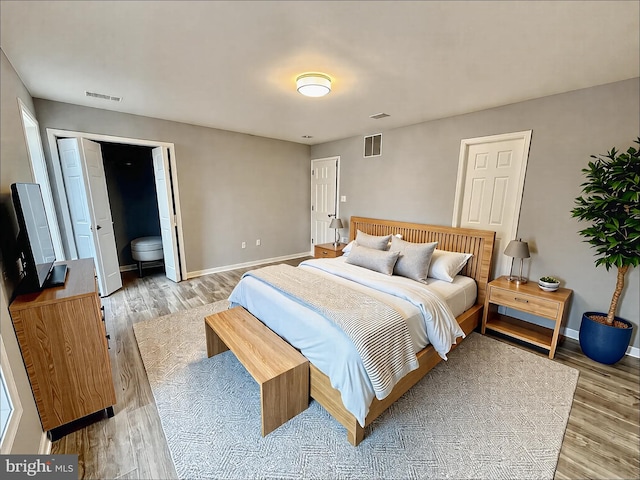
point(604, 343)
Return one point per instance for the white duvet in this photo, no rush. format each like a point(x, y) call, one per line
point(428, 316)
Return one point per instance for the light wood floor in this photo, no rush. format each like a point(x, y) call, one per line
point(602, 439)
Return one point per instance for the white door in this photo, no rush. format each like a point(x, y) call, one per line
point(166, 212)
point(324, 199)
point(489, 189)
point(88, 200)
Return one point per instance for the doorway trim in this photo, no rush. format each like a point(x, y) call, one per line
point(465, 144)
point(52, 136)
point(40, 175)
point(337, 196)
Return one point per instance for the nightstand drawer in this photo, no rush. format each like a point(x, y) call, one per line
point(526, 303)
point(328, 250)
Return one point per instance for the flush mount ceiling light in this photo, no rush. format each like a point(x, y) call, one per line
point(313, 84)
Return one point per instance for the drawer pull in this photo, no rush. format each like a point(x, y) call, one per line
point(523, 300)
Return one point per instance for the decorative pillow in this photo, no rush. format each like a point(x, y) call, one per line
point(376, 260)
point(414, 258)
point(372, 241)
point(446, 265)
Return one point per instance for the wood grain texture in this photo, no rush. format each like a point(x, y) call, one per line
point(528, 298)
point(477, 242)
point(330, 398)
point(64, 348)
point(328, 250)
point(280, 370)
point(602, 438)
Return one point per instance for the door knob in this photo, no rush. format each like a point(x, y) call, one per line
point(98, 227)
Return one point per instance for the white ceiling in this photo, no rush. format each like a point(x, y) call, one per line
point(232, 65)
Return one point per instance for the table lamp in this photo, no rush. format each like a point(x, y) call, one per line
point(336, 224)
point(517, 249)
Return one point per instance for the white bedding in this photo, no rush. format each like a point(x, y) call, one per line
point(326, 346)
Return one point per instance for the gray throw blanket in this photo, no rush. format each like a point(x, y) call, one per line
point(379, 333)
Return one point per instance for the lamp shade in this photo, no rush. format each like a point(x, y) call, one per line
point(313, 84)
point(517, 249)
point(336, 223)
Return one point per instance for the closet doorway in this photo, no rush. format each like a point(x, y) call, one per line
point(141, 191)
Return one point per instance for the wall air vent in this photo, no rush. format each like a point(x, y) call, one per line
point(380, 115)
point(102, 96)
point(373, 145)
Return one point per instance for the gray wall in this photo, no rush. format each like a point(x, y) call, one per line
point(14, 167)
point(415, 180)
point(233, 187)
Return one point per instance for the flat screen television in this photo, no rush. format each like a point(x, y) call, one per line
point(35, 247)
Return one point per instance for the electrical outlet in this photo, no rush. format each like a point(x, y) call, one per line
point(343, 198)
point(244, 244)
point(258, 242)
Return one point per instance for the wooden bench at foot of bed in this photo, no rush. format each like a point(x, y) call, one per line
point(281, 371)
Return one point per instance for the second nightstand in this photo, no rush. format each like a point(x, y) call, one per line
point(528, 298)
point(328, 250)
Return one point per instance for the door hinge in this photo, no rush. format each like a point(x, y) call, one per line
point(313, 208)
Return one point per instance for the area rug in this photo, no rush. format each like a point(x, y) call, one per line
point(491, 411)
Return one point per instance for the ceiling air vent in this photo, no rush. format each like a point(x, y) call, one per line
point(373, 145)
point(102, 96)
point(380, 115)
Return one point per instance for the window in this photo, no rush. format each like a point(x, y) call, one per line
point(10, 406)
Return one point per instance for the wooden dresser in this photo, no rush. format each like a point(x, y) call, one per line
point(62, 337)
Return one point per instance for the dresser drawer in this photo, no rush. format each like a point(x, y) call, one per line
point(524, 302)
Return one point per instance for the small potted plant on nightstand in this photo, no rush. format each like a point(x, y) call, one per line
point(610, 201)
point(548, 283)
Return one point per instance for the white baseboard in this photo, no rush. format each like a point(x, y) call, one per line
point(574, 334)
point(45, 445)
point(255, 263)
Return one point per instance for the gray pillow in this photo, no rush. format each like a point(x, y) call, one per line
point(414, 258)
point(372, 241)
point(376, 260)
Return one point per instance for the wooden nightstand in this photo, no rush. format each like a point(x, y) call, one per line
point(527, 298)
point(328, 250)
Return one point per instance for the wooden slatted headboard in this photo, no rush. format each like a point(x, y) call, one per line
point(480, 243)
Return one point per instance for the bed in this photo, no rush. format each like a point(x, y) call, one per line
point(334, 362)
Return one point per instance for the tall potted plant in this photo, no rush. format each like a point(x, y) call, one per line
point(610, 201)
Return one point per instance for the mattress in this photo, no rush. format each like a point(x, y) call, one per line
point(324, 344)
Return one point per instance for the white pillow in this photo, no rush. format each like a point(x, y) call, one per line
point(376, 260)
point(445, 265)
point(347, 249)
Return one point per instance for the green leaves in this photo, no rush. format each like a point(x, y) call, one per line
point(610, 202)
